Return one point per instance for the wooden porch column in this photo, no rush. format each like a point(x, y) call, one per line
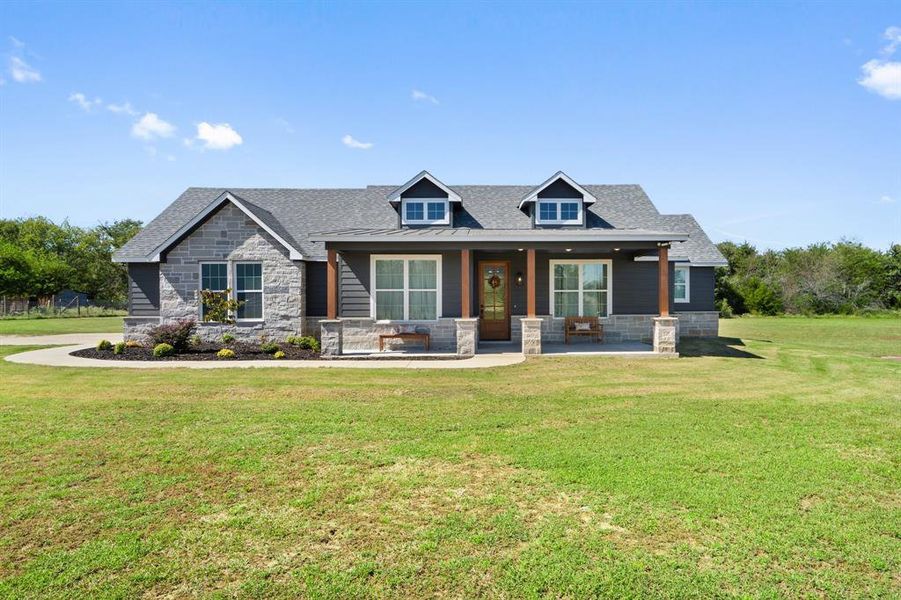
point(530, 283)
point(332, 284)
point(663, 280)
point(465, 286)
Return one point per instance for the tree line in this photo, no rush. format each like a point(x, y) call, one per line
point(845, 278)
point(39, 259)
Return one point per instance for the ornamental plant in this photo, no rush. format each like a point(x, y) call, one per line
point(219, 306)
point(279, 355)
point(227, 338)
point(176, 334)
point(104, 345)
point(306, 342)
point(226, 353)
point(119, 348)
point(163, 350)
point(269, 347)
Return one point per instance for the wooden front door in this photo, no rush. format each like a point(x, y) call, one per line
point(494, 300)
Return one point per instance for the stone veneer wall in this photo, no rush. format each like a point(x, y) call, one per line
point(230, 235)
point(698, 324)
point(362, 335)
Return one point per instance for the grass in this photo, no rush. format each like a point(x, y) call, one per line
point(766, 466)
point(50, 326)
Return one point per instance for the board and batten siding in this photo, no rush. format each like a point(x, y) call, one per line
point(144, 289)
point(316, 289)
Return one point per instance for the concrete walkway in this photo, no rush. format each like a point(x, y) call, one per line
point(59, 357)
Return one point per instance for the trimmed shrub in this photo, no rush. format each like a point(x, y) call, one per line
point(119, 348)
point(104, 345)
point(195, 340)
point(279, 355)
point(177, 334)
point(306, 342)
point(161, 350)
point(133, 344)
point(269, 347)
point(226, 353)
point(227, 338)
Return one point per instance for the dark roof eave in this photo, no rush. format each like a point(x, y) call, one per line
point(524, 239)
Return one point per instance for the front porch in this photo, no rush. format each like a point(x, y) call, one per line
point(498, 293)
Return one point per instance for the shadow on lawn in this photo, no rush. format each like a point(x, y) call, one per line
point(718, 346)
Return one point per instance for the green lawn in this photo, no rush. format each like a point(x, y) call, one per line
point(772, 469)
point(50, 326)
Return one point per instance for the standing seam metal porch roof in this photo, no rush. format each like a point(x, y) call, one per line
point(299, 213)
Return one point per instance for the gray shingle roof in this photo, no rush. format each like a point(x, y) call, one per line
point(297, 214)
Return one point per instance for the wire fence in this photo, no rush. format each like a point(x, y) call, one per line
point(67, 304)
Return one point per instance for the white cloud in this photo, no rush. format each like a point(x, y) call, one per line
point(82, 101)
point(150, 126)
point(882, 77)
point(893, 35)
point(886, 199)
point(349, 141)
point(122, 109)
point(220, 136)
point(22, 72)
point(420, 96)
point(16, 42)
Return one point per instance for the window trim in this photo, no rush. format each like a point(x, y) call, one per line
point(580, 261)
point(406, 258)
point(262, 290)
point(425, 211)
point(200, 284)
point(559, 220)
point(687, 269)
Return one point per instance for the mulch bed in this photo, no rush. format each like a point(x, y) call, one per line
point(203, 352)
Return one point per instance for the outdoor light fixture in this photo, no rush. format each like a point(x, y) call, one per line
point(569, 249)
point(520, 249)
point(518, 278)
point(616, 249)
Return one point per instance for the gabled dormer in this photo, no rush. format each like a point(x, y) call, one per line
point(424, 201)
point(558, 202)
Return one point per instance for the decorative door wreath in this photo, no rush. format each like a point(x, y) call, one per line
point(494, 281)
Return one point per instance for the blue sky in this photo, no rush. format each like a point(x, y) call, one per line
point(776, 123)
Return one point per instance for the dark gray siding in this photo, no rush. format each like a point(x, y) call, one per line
point(424, 189)
point(317, 289)
point(559, 189)
point(355, 284)
point(701, 284)
point(144, 289)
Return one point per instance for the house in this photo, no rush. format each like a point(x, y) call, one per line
point(464, 263)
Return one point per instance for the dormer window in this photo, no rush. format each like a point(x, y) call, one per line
point(559, 211)
point(425, 211)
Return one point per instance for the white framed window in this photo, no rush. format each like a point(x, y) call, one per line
point(425, 211)
point(213, 277)
point(682, 283)
point(559, 211)
point(581, 288)
point(405, 287)
point(249, 290)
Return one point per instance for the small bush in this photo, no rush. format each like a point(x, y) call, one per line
point(196, 341)
point(119, 348)
point(269, 347)
point(177, 334)
point(104, 345)
point(227, 338)
point(161, 350)
point(724, 308)
point(306, 342)
point(226, 353)
point(133, 344)
point(279, 355)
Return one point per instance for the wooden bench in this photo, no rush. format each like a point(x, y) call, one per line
point(595, 329)
point(420, 337)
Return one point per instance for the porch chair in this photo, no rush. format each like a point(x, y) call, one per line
point(583, 326)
